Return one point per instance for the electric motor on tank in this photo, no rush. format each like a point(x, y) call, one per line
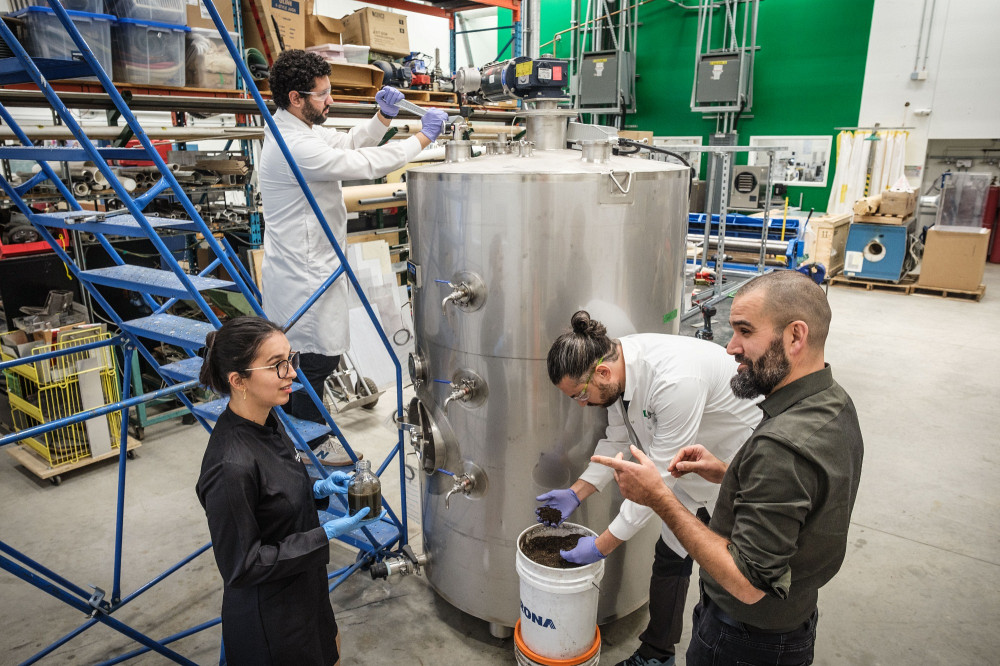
point(518, 78)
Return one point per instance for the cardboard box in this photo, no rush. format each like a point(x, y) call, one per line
point(296, 25)
point(273, 26)
point(954, 259)
point(197, 15)
point(17, 344)
point(636, 135)
point(384, 32)
point(826, 241)
point(898, 203)
point(355, 76)
point(322, 29)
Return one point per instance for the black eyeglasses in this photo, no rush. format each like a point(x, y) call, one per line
point(281, 367)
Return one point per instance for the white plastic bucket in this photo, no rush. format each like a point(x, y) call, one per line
point(558, 606)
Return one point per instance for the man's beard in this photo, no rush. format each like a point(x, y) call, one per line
point(761, 376)
point(608, 395)
point(313, 116)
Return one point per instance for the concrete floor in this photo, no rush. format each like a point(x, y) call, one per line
point(921, 583)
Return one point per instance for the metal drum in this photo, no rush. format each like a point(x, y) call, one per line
point(505, 247)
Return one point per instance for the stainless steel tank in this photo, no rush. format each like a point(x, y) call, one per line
point(505, 247)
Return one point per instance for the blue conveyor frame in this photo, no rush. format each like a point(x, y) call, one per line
point(373, 541)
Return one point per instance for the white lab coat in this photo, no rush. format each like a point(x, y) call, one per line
point(678, 393)
point(298, 257)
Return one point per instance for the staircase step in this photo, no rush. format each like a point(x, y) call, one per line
point(185, 333)
point(307, 429)
point(109, 223)
point(183, 371)
point(12, 71)
point(151, 280)
point(65, 154)
point(190, 368)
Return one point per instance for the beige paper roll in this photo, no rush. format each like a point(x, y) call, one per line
point(868, 205)
point(354, 195)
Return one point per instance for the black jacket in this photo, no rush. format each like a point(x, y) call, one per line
point(269, 546)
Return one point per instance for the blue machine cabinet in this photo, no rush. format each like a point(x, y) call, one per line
point(877, 251)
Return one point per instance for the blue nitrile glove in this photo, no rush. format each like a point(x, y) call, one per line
point(387, 99)
point(335, 483)
point(335, 528)
point(564, 500)
point(432, 123)
point(585, 552)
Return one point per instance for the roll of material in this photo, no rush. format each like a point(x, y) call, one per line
point(374, 197)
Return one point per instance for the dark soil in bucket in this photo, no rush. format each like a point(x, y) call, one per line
point(545, 550)
point(549, 515)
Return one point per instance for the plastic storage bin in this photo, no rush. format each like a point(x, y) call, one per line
point(163, 11)
point(207, 60)
point(357, 55)
point(48, 38)
point(148, 52)
point(88, 6)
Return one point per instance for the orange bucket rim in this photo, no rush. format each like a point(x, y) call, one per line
point(545, 661)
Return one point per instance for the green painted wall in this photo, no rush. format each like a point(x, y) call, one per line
point(807, 77)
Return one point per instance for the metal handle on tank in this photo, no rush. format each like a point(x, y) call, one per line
point(628, 182)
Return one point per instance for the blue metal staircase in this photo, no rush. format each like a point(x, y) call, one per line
point(170, 285)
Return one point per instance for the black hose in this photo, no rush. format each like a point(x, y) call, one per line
point(656, 149)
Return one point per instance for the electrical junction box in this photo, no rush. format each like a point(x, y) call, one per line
point(877, 251)
point(719, 78)
point(748, 188)
point(606, 78)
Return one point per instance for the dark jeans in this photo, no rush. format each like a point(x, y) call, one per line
point(316, 368)
point(719, 640)
point(668, 587)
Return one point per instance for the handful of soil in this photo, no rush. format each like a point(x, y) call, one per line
point(545, 549)
point(550, 515)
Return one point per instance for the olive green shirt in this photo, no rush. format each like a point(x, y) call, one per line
point(786, 500)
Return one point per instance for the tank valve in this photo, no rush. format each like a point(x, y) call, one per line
point(404, 564)
point(461, 294)
point(463, 390)
point(468, 292)
point(463, 484)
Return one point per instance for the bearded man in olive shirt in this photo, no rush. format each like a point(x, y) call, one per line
point(779, 530)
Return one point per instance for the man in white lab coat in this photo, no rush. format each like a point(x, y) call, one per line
point(662, 393)
point(298, 257)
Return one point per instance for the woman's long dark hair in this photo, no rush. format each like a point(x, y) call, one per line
point(233, 348)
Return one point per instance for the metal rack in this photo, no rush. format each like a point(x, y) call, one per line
point(160, 290)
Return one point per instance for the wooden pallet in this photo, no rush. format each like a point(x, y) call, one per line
point(909, 285)
point(895, 220)
point(904, 286)
point(961, 294)
point(35, 464)
point(416, 95)
point(442, 97)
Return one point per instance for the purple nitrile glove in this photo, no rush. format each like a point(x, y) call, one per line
point(564, 500)
point(340, 526)
point(335, 483)
point(585, 552)
point(432, 123)
point(387, 99)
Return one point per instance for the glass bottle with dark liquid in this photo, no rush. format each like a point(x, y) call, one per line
point(364, 490)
